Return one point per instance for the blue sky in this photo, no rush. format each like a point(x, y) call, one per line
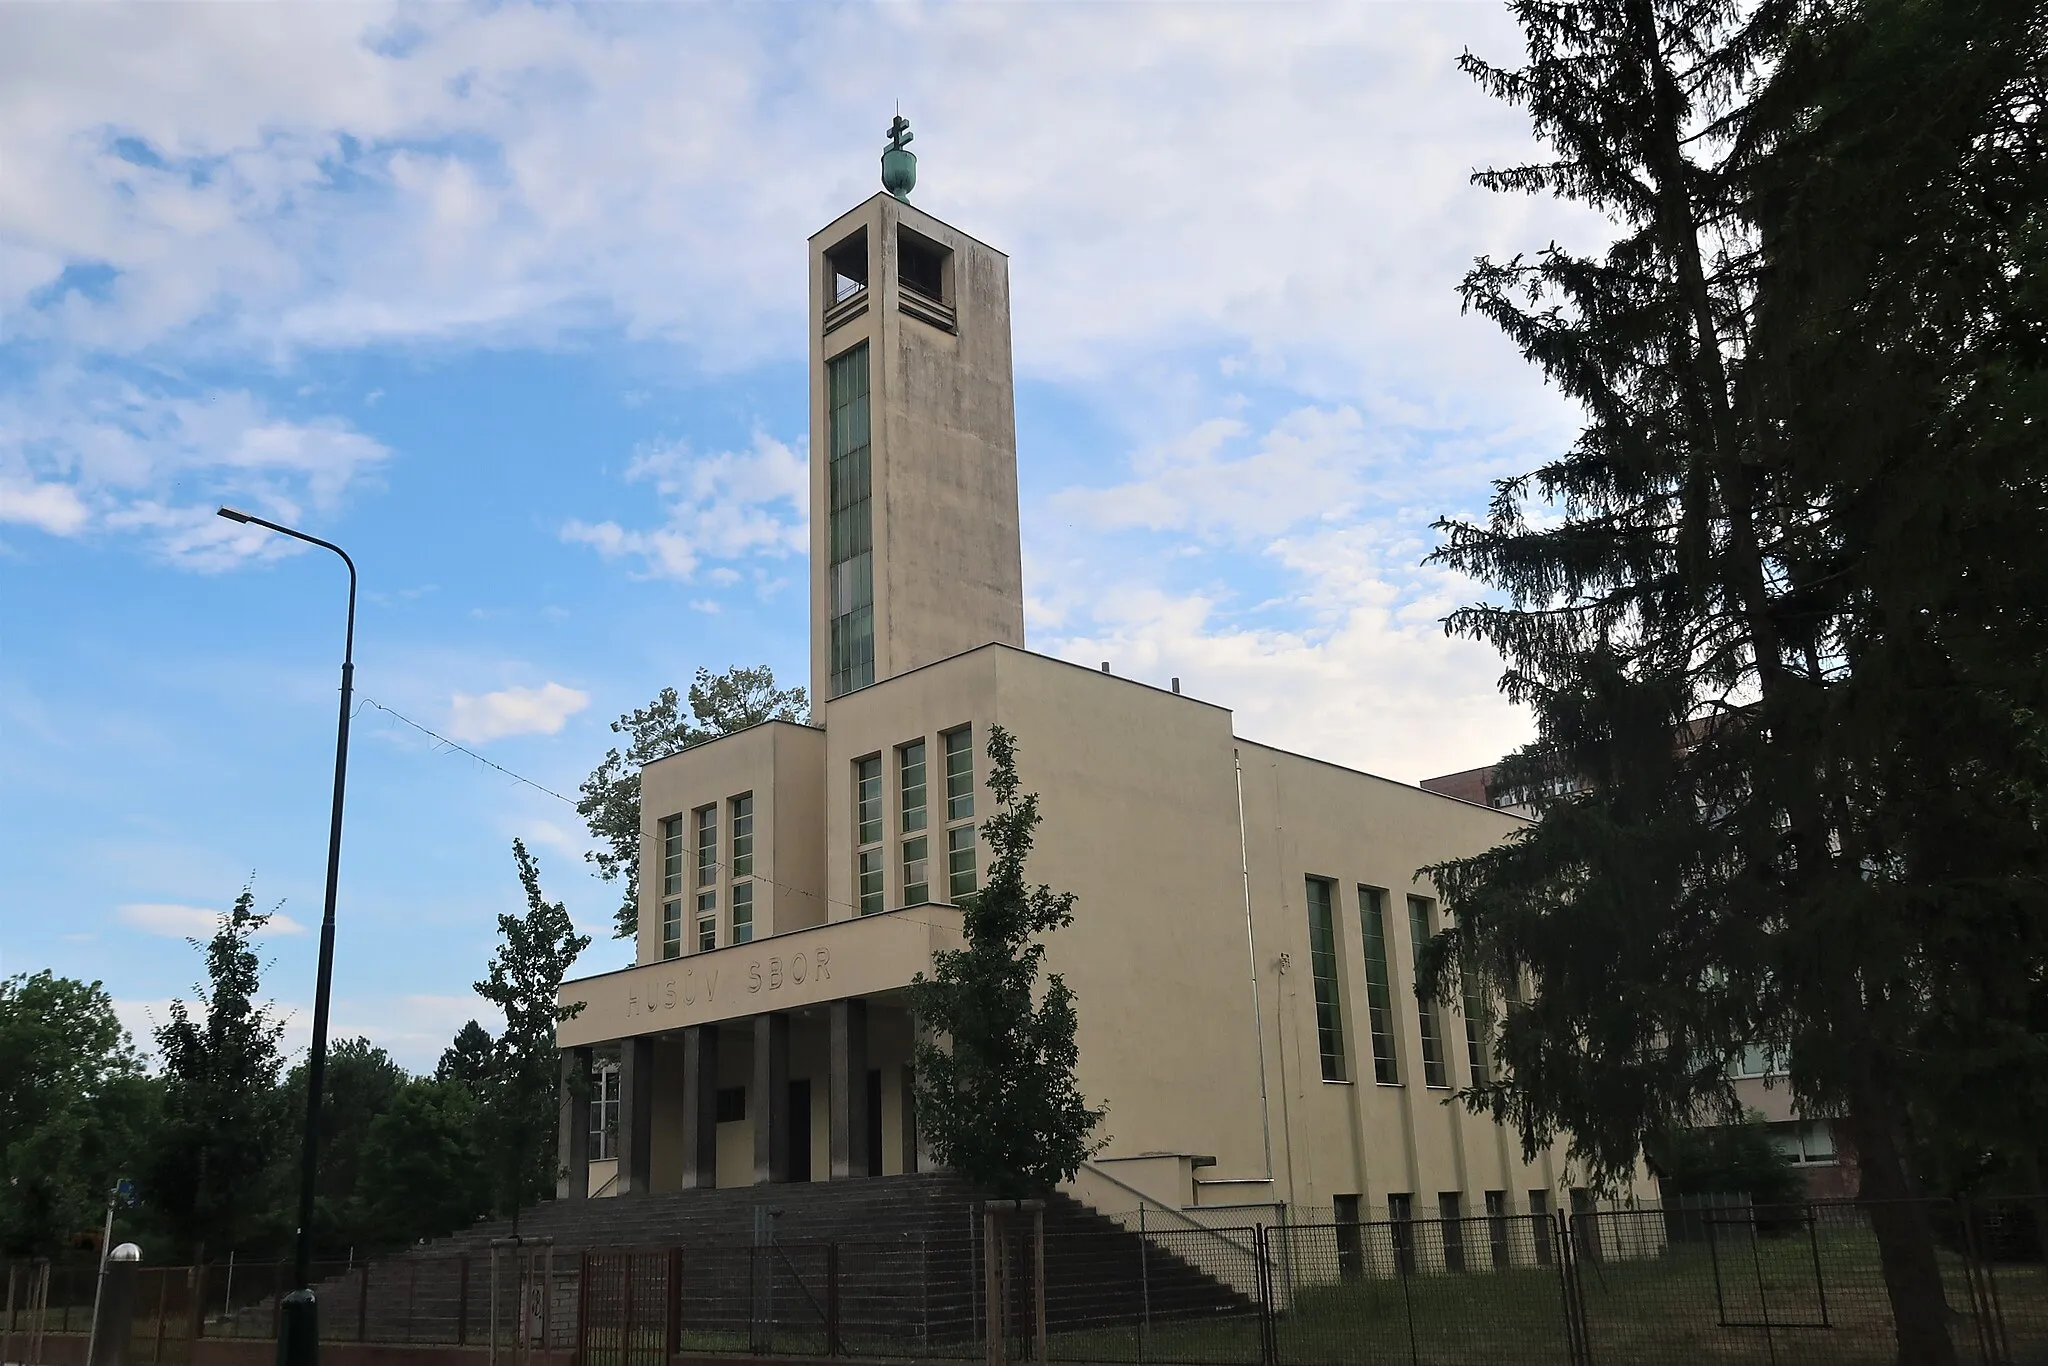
point(509, 301)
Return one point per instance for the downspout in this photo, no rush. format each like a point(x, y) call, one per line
point(1251, 947)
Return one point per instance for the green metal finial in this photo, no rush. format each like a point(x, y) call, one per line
point(899, 163)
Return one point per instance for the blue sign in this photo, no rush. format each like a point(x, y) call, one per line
point(124, 1191)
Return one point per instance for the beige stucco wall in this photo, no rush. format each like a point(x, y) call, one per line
point(780, 764)
point(948, 567)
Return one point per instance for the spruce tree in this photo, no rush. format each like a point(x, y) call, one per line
point(519, 1094)
point(996, 1096)
point(1778, 610)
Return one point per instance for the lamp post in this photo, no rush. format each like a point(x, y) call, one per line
point(298, 1323)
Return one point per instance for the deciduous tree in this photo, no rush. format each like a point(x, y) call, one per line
point(720, 704)
point(996, 1095)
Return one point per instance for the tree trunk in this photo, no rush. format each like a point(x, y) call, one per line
point(1905, 1237)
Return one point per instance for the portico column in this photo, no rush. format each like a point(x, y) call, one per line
point(636, 1115)
point(770, 1102)
point(849, 1066)
point(700, 1107)
point(573, 1137)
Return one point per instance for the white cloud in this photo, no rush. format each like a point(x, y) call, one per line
point(80, 451)
point(725, 506)
point(190, 922)
point(514, 711)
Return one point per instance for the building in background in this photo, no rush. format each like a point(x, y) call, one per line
point(1242, 954)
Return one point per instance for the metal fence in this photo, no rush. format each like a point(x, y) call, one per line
point(1689, 1286)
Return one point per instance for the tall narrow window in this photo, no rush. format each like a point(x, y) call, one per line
point(1475, 1041)
point(1497, 1227)
point(1434, 1072)
point(1401, 1214)
point(1379, 996)
point(743, 913)
point(673, 848)
point(910, 793)
point(960, 775)
point(960, 862)
point(867, 833)
point(1322, 963)
point(960, 881)
point(604, 1110)
point(1541, 1231)
point(850, 571)
point(910, 784)
point(707, 846)
point(707, 921)
point(1450, 1211)
point(743, 836)
point(741, 868)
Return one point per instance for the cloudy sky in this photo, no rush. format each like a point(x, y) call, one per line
point(509, 301)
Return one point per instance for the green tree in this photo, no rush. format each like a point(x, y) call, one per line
point(468, 1059)
point(361, 1084)
point(1725, 1159)
point(720, 704)
point(996, 1095)
point(75, 1109)
point(222, 1108)
point(1749, 608)
point(424, 1170)
point(520, 1101)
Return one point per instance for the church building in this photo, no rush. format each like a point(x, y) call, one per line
point(1243, 949)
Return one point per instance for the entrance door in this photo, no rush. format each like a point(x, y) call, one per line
point(800, 1131)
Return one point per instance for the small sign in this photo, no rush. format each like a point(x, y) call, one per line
point(124, 1191)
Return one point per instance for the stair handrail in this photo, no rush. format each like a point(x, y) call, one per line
point(1236, 1251)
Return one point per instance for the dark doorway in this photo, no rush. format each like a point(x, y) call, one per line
point(874, 1121)
point(800, 1131)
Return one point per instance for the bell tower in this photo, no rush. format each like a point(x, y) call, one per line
point(915, 552)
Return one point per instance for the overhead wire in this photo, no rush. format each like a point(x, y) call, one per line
point(829, 901)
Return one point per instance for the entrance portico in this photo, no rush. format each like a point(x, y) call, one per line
point(783, 1059)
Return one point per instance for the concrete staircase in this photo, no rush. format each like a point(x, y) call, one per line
point(895, 1260)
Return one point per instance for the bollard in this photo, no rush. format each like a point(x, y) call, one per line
point(298, 1329)
point(113, 1318)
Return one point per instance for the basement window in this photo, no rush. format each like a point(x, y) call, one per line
point(846, 266)
point(921, 265)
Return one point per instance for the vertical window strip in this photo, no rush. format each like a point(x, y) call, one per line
point(743, 913)
point(604, 1111)
point(743, 836)
point(672, 849)
point(917, 881)
point(910, 785)
point(707, 921)
point(1434, 1073)
point(672, 927)
point(870, 874)
point(850, 526)
point(1379, 995)
point(1475, 1042)
point(707, 846)
point(960, 863)
point(1322, 962)
point(867, 801)
point(960, 775)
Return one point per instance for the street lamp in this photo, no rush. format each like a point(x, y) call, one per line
point(298, 1324)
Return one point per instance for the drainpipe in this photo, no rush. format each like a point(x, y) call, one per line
point(1251, 945)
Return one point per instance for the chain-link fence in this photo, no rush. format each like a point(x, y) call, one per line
point(1689, 1286)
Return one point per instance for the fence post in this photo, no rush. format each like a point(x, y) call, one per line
point(673, 1337)
point(1038, 1277)
point(583, 1307)
point(832, 1348)
point(626, 1317)
point(992, 1290)
point(363, 1305)
point(462, 1301)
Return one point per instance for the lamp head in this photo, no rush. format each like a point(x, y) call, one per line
point(233, 516)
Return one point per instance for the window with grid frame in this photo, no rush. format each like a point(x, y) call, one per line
point(604, 1110)
point(1379, 994)
point(674, 848)
point(707, 846)
point(742, 862)
point(743, 912)
point(960, 885)
point(850, 573)
point(1322, 963)
point(1434, 1070)
point(960, 845)
point(869, 884)
point(707, 921)
point(1475, 1034)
